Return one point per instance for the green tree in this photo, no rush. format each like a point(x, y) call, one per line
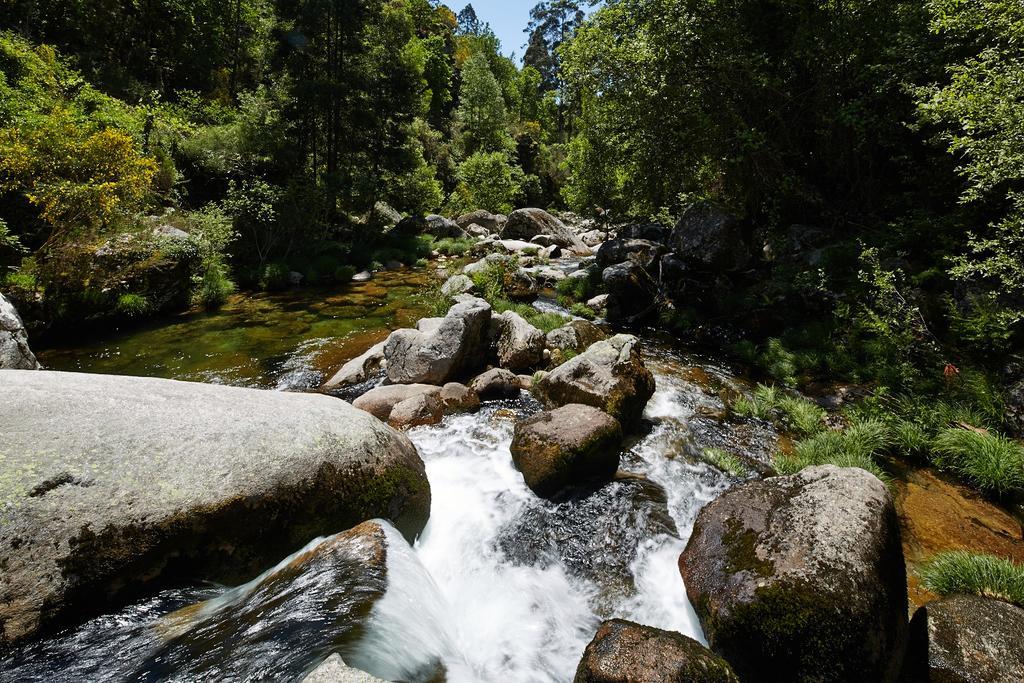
point(481, 117)
point(488, 181)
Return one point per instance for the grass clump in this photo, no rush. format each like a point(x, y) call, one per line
point(792, 413)
point(213, 289)
point(132, 305)
point(761, 405)
point(963, 572)
point(545, 322)
point(857, 446)
point(726, 461)
point(582, 311)
point(453, 246)
point(991, 462)
point(576, 288)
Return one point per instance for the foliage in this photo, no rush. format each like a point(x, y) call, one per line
point(481, 116)
point(991, 462)
point(967, 573)
point(793, 413)
point(726, 461)
point(488, 180)
point(132, 305)
point(857, 446)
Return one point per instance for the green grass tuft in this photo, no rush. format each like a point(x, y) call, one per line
point(991, 462)
point(132, 305)
point(854, 447)
point(726, 461)
point(962, 572)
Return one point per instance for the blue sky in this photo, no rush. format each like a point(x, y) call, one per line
point(508, 18)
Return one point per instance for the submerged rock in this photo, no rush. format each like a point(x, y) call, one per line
point(455, 347)
point(966, 639)
point(150, 481)
point(569, 447)
point(334, 670)
point(518, 344)
point(802, 577)
point(625, 652)
point(15, 353)
point(610, 376)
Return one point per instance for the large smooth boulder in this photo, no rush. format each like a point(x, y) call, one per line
point(15, 353)
point(435, 225)
point(966, 639)
point(575, 336)
point(151, 481)
point(518, 344)
point(610, 376)
point(625, 652)
point(632, 292)
point(457, 284)
point(457, 346)
point(525, 224)
point(710, 239)
point(565, 448)
point(357, 370)
point(493, 222)
point(801, 578)
point(643, 253)
point(334, 670)
point(654, 232)
point(420, 404)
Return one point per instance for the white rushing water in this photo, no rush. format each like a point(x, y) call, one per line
point(490, 615)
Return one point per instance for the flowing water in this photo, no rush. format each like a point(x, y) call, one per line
point(501, 585)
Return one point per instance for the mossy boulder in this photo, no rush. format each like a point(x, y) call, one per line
point(568, 447)
point(625, 652)
point(966, 639)
point(151, 482)
point(610, 376)
point(801, 578)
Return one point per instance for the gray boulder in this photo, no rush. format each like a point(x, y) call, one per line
point(593, 238)
point(435, 225)
point(654, 232)
point(575, 335)
point(458, 346)
point(334, 670)
point(610, 376)
point(966, 639)
point(357, 370)
point(496, 384)
point(565, 448)
point(632, 293)
point(492, 222)
point(518, 344)
point(457, 284)
point(14, 351)
point(525, 224)
point(150, 480)
point(519, 247)
point(801, 578)
point(625, 652)
point(383, 217)
point(643, 253)
point(381, 401)
point(710, 239)
point(478, 231)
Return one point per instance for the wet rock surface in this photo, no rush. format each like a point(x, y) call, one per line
point(801, 577)
point(625, 652)
point(334, 670)
point(966, 639)
point(151, 481)
point(566, 448)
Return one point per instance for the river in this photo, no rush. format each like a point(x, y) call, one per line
point(501, 585)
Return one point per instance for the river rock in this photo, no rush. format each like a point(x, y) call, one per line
point(593, 238)
point(575, 335)
point(362, 276)
point(518, 344)
point(565, 448)
point(151, 480)
point(15, 353)
point(610, 376)
point(710, 239)
point(643, 253)
point(625, 652)
point(457, 347)
point(632, 292)
point(334, 670)
point(519, 247)
point(801, 578)
point(966, 639)
point(492, 222)
point(598, 303)
point(383, 217)
point(653, 232)
point(435, 225)
point(496, 384)
point(458, 398)
point(457, 284)
point(478, 231)
point(417, 411)
point(357, 370)
point(380, 401)
point(525, 224)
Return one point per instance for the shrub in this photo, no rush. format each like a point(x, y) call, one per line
point(489, 181)
point(963, 572)
point(576, 288)
point(214, 289)
point(582, 311)
point(344, 274)
point(132, 305)
point(991, 462)
point(726, 461)
point(453, 246)
point(491, 280)
point(274, 277)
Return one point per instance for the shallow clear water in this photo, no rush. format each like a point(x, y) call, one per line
point(501, 586)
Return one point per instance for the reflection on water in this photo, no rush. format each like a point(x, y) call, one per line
point(286, 340)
